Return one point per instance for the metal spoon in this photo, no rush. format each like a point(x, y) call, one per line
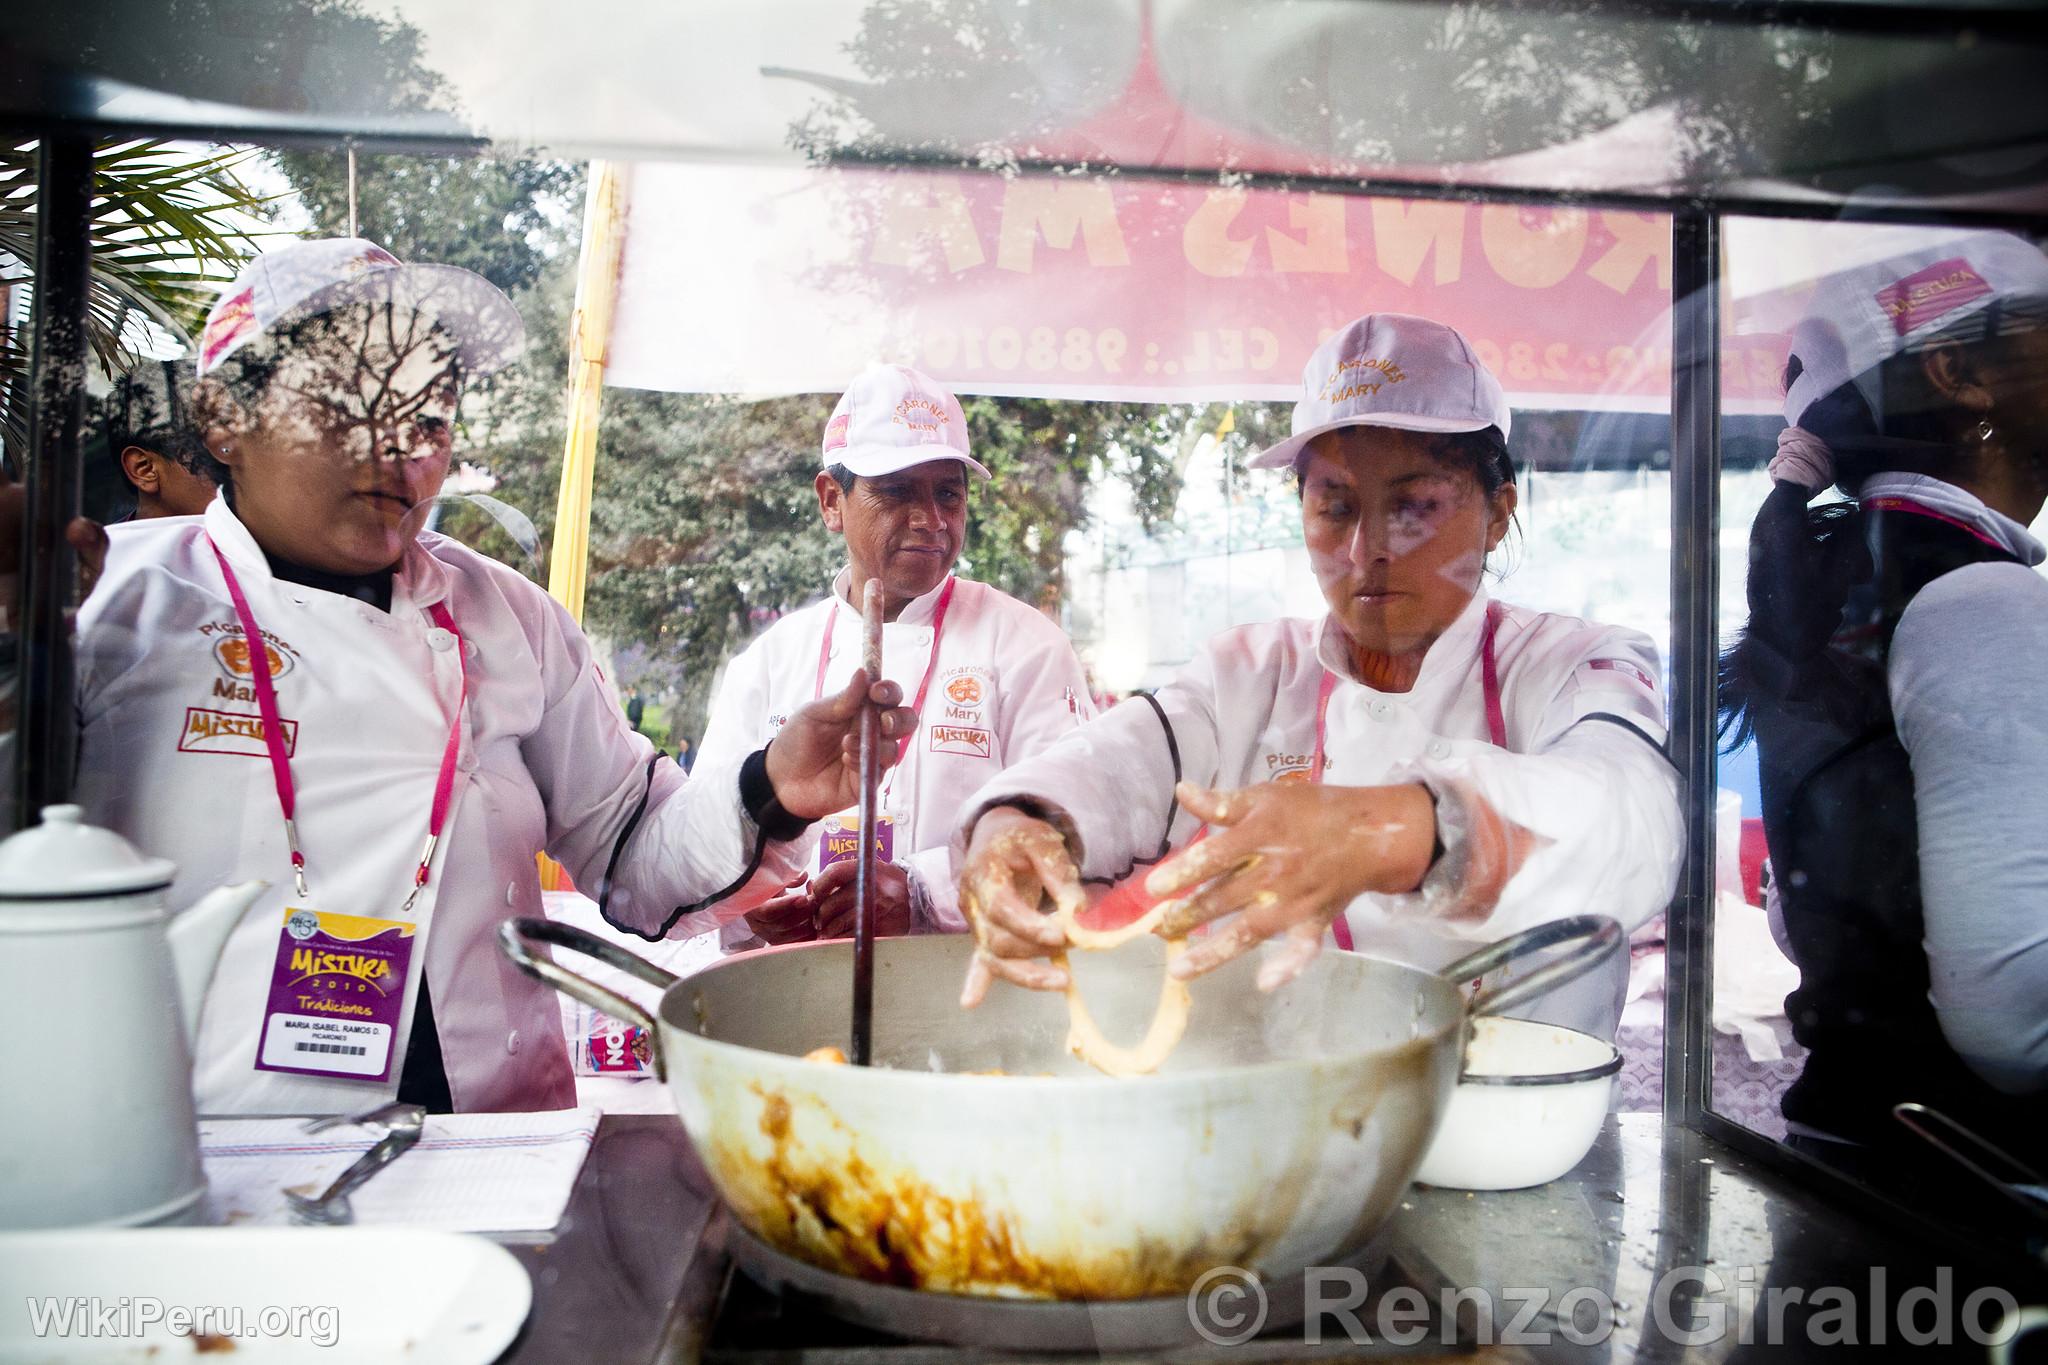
point(402, 1124)
point(379, 1118)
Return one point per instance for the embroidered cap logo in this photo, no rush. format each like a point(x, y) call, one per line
point(926, 417)
point(1926, 295)
point(1348, 380)
point(228, 324)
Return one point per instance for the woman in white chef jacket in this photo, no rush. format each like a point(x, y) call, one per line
point(1421, 770)
point(300, 686)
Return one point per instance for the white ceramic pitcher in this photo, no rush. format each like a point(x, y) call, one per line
point(99, 998)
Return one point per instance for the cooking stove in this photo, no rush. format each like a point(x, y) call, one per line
point(760, 1308)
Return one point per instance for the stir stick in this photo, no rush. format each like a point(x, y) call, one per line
point(864, 878)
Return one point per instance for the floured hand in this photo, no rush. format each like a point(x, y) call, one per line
point(1014, 863)
point(1285, 859)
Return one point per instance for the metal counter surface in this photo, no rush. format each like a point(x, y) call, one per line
point(1660, 1246)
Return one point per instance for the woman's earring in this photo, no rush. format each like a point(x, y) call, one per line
point(1985, 430)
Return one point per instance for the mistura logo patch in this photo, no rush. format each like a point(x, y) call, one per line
point(962, 739)
point(208, 731)
point(1928, 294)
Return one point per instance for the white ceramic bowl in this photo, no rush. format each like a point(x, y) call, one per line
point(1527, 1106)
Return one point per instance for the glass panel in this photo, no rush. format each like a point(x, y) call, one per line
point(1877, 929)
point(1638, 99)
point(1122, 351)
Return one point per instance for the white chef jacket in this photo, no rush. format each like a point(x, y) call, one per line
point(172, 757)
point(1005, 685)
point(1584, 769)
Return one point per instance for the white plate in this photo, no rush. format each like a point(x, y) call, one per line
point(358, 1294)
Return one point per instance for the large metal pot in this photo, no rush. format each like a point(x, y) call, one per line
point(1280, 1134)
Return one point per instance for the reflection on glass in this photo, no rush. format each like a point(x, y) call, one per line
point(1883, 688)
point(1574, 98)
point(1118, 334)
point(1122, 350)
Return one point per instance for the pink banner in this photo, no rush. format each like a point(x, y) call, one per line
point(1127, 289)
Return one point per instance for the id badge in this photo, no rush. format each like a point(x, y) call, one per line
point(335, 995)
point(840, 839)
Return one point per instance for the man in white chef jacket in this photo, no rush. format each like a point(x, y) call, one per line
point(303, 687)
point(992, 680)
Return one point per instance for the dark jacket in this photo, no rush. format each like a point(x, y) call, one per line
point(1840, 821)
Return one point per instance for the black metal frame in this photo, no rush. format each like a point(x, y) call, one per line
point(47, 738)
point(47, 723)
point(1695, 596)
point(1745, 205)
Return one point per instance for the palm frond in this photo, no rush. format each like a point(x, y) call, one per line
point(168, 229)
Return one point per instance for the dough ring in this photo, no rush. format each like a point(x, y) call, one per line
point(1084, 1038)
point(1169, 1022)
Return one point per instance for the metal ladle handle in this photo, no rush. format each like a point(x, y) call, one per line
point(517, 938)
point(386, 1150)
point(1596, 938)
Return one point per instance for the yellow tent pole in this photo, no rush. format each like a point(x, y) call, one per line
point(590, 332)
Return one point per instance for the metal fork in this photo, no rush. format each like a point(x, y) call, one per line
point(402, 1124)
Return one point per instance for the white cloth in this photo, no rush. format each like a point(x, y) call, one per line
point(1600, 795)
point(1960, 504)
point(1965, 677)
point(171, 757)
point(1007, 684)
point(1803, 459)
point(467, 1173)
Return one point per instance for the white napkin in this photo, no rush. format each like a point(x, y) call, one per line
point(1752, 977)
point(468, 1173)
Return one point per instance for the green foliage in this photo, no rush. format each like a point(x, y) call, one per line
point(503, 218)
point(1435, 85)
point(704, 528)
point(167, 229)
point(320, 57)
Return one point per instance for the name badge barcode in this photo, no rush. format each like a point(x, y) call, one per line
point(345, 1049)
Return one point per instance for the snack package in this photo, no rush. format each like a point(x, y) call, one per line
point(603, 1046)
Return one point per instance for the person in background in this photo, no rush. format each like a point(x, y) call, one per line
point(302, 686)
point(1889, 671)
point(1419, 772)
point(992, 680)
point(686, 756)
point(150, 433)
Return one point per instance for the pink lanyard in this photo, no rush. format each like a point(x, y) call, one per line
point(931, 665)
point(280, 761)
point(1496, 725)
